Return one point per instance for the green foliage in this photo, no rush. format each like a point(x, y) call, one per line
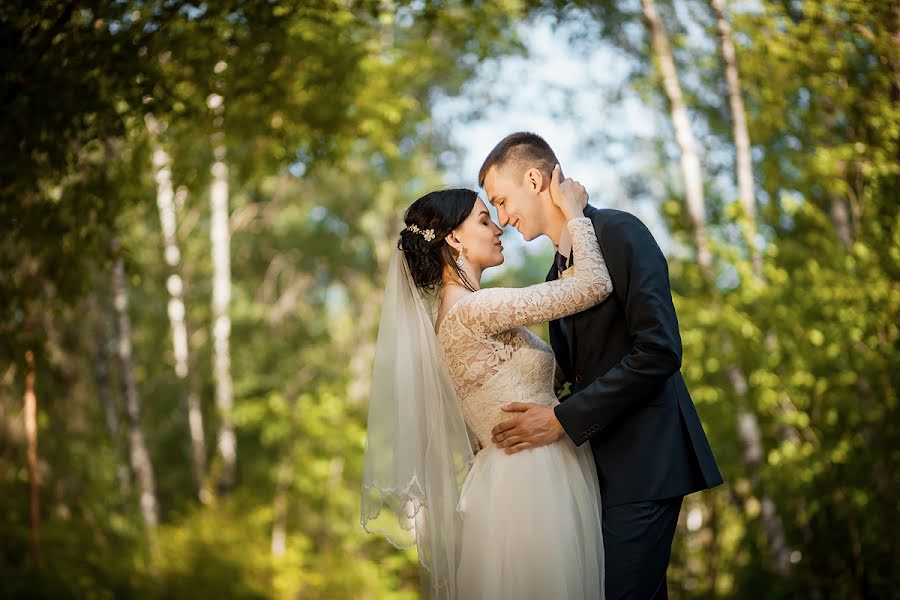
point(327, 127)
point(817, 337)
point(328, 130)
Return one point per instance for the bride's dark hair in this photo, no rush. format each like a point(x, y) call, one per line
point(441, 212)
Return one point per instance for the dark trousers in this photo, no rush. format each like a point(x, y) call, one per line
point(637, 543)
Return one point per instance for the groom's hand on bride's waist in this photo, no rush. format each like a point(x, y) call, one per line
point(531, 426)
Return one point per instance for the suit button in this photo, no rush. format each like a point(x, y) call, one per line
point(578, 380)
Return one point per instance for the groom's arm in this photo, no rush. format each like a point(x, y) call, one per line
point(640, 279)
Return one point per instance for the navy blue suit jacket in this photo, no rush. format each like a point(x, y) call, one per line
point(623, 358)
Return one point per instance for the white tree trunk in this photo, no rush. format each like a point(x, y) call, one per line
point(104, 391)
point(140, 456)
point(753, 456)
point(30, 414)
point(840, 218)
point(220, 237)
point(280, 505)
point(741, 136)
point(363, 351)
point(285, 472)
point(690, 162)
point(165, 202)
point(363, 354)
point(748, 424)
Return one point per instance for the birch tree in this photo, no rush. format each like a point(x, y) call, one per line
point(165, 202)
point(221, 296)
point(689, 160)
point(748, 423)
point(744, 161)
point(141, 463)
point(285, 471)
point(30, 414)
point(103, 378)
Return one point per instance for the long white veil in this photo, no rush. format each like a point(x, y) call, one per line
point(418, 449)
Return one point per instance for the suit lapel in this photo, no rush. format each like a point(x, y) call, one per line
point(570, 321)
point(560, 348)
point(551, 275)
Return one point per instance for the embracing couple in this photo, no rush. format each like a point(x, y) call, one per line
point(507, 491)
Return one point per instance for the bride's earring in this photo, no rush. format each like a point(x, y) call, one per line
point(460, 262)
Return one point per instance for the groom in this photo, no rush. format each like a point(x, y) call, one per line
point(622, 358)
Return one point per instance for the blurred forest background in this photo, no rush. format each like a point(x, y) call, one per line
point(197, 203)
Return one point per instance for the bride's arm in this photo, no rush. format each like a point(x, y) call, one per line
point(586, 284)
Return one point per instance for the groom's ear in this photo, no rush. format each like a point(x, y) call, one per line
point(534, 179)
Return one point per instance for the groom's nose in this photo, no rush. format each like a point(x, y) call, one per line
point(502, 217)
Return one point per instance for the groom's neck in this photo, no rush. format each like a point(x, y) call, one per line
point(556, 224)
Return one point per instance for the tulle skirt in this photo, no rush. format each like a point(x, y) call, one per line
point(531, 525)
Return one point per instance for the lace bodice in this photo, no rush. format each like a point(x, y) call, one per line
point(493, 358)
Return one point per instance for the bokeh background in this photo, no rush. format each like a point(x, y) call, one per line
point(197, 205)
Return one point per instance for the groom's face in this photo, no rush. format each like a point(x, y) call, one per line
point(516, 198)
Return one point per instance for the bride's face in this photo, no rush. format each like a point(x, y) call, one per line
point(480, 237)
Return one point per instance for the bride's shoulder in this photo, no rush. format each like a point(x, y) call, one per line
point(450, 300)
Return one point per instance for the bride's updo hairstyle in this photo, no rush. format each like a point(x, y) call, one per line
point(428, 221)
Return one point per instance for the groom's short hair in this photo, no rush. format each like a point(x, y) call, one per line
point(520, 148)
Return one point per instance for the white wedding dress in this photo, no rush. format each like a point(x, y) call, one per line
point(531, 520)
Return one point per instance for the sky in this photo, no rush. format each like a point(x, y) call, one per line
point(575, 97)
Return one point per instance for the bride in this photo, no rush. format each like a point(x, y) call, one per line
point(449, 354)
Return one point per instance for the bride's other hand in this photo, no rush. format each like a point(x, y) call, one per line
point(535, 425)
point(568, 194)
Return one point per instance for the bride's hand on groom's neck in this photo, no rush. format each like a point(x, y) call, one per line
point(568, 195)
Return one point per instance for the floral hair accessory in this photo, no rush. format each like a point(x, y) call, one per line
point(428, 234)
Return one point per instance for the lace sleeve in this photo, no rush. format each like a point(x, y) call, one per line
point(586, 284)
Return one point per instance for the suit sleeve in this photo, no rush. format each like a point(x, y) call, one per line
point(640, 278)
